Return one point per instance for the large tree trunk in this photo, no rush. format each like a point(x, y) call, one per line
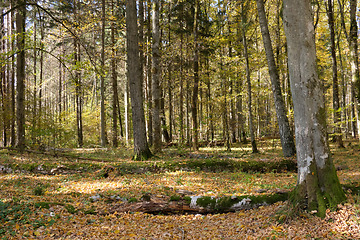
point(318, 186)
point(141, 149)
point(156, 91)
point(20, 74)
point(286, 135)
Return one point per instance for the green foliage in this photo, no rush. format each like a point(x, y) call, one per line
point(12, 213)
point(132, 200)
point(39, 191)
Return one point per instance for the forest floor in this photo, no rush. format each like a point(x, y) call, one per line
point(99, 194)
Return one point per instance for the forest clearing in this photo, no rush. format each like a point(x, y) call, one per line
point(98, 194)
point(179, 119)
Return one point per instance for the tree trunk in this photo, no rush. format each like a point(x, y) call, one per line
point(318, 186)
point(141, 149)
point(336, 101)
point(102, 80)
point(126, 106)
point(34, 120)
point(181, 90)
point(13, 118)
point(353, 38)
point(354, 62)
point(78, 88)
point(248, 80)
point(194, 107)
point(114, 84)
point(3, 81)
point(20, 74)
point(286, 135)
point(156, 91)
point(148, 88)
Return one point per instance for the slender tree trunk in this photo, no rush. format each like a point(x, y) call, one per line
point(318, 186)
point(248, 80)
point(41, 74)
point(194, 107)
point(164, 129)
point(102, 80)
point(20, 74)
point(336, 101)
point(3, 83)
point(286, 135)
point(156, 88)
point(78, 87)
point(354, 62)
point(126, 105)
point(209, 103)
point(149, 76)
point(114, 84)
point(141, 149)
point(119, 116)
point(13, 117)
point(353, 38)
point(344, 89)
point(181, 90)
point(34, 120)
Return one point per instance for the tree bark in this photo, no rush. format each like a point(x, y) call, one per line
point(149, 76)
point(248, 80)
point(156, 88)
point(78, 88)
point(353, 38)
point(194, 107)
point(13, 117)
point(286, 135)
point(141, 149)
point(114, 84)
point(102, 80)
point(20, 74)
point(336, 101)
point(318, 186)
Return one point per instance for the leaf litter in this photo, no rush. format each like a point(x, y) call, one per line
point(67, 209)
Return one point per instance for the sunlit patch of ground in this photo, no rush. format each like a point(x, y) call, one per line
point(77, 188)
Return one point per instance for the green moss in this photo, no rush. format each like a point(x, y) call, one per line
point(175, 198)
point(45, 205)
point(143, 155)
point(71, 209)
point(187, 199)
point(39, 191)
point(133, 199)
point(206, 202)
point(226, 203)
